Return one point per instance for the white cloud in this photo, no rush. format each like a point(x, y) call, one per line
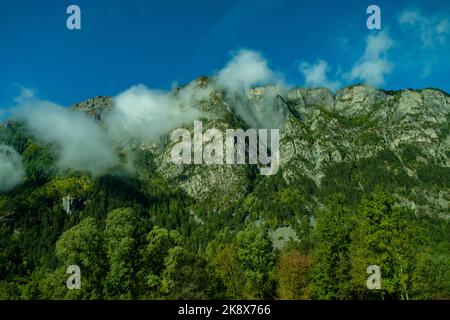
point(11, 170)
point(81, 143)
point(374, 65)
point(316, 75)
point(143, 115)
point(25, 94)
point(433, 31)
point(246, 69)
point(443, 31)
point(410, 17)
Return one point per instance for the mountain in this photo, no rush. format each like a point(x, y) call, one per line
point(324, 132)
point(363, 179)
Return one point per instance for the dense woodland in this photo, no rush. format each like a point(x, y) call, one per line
point(139, 237)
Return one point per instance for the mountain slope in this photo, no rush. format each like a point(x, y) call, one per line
point(352, 165)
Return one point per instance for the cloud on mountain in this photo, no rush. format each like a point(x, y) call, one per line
point(143, 115)
point(249, 69)
point(374, 65)
point(316, 75)
point(11, 169)
point(80, 142)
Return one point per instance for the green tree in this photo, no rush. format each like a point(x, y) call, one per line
point(431, 279)
point(82, 245)
point(159, 242)
point(257, 260)
point(227, 267)
point(187, 276)
point(38, 161)
point(330, 272)
point(122, 253)
point(384, 237)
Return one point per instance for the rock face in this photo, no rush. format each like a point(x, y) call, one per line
point(68, 204)
point(94, 106)
point(207, 182)
point(321, 130)
point(360, 123)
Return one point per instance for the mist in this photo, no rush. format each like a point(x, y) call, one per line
point(80, 142)
point(11, 169)
point(143, 115)
point(245, 71)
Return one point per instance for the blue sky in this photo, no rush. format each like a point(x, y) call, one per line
point(157, 43)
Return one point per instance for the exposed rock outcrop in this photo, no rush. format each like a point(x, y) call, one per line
point(320, 130)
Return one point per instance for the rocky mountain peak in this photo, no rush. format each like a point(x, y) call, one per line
point(94, 106)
